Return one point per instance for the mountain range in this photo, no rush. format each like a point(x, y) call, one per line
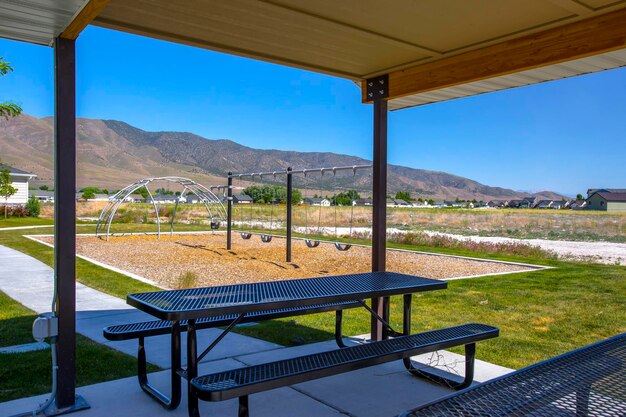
point(113, 154)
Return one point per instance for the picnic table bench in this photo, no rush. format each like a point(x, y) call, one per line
point(590, 381)
point(192, 309)
point(142, 330)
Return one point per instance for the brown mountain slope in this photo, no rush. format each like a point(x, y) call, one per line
point(113, 154)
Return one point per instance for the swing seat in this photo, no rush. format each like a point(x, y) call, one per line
point(245, 235)
point(312, 243)
point(342, 247)
point(215, 225)
point(266, 238)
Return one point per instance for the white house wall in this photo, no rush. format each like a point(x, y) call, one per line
point(21, 196)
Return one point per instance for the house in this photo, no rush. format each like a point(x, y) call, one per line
point(192, 199)
point(363, 202)
point(42, 195)
point(592, 191)
point(316, 201)
point(242, 199)
point(19, 181)
point(134, 198)
point(159, 199)
point(497, 203)
point(578, 204)
point(515, 203)
point(402, 203)
point(529, 202)
point(607, 201)
point(560, 204)
point(544, 204)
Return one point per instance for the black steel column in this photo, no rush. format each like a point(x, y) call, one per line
point(377, 90)
point(289, 197)
point(65, 216)
point(229, 225)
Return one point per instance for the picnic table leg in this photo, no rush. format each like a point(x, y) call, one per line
point(406, 314)
point(582, 401)
point(142, 374)
point(470, 354)
point(338, 329)
point(192, 368)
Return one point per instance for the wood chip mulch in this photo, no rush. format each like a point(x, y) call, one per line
point(164, 260)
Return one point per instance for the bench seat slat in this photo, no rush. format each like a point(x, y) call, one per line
point(130, 331)
point(249, 380)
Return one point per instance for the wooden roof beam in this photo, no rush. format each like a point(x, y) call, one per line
point(83, 18)
point(577, 40)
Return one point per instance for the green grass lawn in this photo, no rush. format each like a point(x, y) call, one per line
point(23, 221)
point(27, 374)
point(540, 313)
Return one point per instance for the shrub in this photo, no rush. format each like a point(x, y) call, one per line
point(438, 241)
point(33, 206)
point(15, 211)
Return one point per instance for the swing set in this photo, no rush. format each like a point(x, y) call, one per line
point(267, 231)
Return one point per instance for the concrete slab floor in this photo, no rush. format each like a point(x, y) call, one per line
point(378, 391)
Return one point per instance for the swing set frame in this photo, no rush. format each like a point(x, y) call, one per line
point(288, 173)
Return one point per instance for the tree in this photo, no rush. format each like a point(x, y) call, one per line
point(6, 189)
point(345, 199)
point(8, 109)
point(34, 206)
point(404, 195)
point(579, 197)
point(88, 194)
point(431, 202)
point(44, 188)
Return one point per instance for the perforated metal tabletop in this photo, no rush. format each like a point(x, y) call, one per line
point(590, 381)
point(195, 303)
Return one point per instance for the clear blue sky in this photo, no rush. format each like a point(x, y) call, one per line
point(564, 136)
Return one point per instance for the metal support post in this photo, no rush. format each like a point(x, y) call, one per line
point(289, 211)
point(65, 399)
point(229, 212)
point(378, 88)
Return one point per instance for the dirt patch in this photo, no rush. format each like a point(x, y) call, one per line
point(165, 260)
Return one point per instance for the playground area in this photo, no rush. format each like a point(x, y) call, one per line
point(165, 260)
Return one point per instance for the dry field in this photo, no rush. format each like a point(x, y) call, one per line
point(165, 260)
point(515, 223)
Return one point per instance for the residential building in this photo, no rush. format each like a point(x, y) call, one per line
point(42, 195)
point(529, 202)
point(592, 191)
point(134, 198)
point(557, 205)
point(242, 199)
point(160, 199)
point(401, 203)
point(498, 203)
point(19, 181)
point(607, 201)
point(317, 201)
point(544, 204)
point(363, 202)
point(578, 204)
point(515, 203)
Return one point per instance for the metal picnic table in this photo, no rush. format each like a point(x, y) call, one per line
point(590, 381)
point(242, 299)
